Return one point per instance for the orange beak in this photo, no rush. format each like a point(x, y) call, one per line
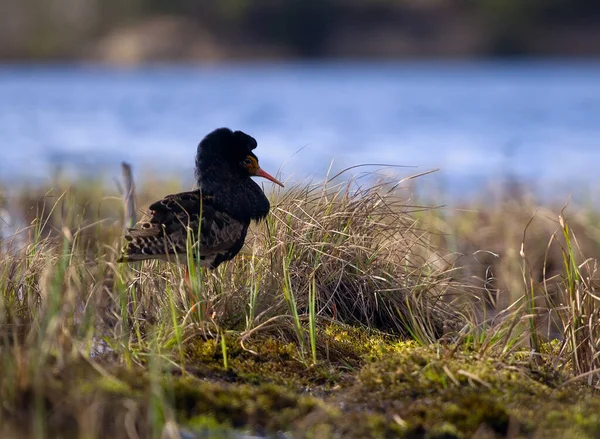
point(261, 173)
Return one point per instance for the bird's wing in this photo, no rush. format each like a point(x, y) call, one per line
point(165, 231)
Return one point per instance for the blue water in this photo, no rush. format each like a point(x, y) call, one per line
point(477, 122)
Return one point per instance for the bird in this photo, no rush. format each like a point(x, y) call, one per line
point(215, 216)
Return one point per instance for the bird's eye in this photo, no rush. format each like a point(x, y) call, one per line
point(247, 161)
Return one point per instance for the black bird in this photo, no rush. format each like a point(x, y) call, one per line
point(215, 216)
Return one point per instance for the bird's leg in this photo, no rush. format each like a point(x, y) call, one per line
point(193, 297)
point(188, 282)
point(187, 277)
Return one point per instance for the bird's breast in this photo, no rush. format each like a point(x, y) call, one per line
point(246, 203)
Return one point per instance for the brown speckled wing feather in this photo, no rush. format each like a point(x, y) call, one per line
point(163, 233)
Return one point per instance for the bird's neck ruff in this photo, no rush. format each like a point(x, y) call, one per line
point(241, 198)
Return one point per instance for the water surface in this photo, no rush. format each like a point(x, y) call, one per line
point(477, 122)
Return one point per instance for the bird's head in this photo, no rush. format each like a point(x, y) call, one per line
point(229, 153)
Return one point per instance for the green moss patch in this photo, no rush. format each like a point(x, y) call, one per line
point(389, 388)
point(463, 393)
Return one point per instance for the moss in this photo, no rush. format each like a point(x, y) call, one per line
point(267, 360)
point(388, 388)
point(445, 431)
point(396, 390)
point(108, 384)
point(365, 344)
point(267, 408)
point(463, 393)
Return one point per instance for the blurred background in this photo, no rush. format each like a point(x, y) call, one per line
point(486, 90)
